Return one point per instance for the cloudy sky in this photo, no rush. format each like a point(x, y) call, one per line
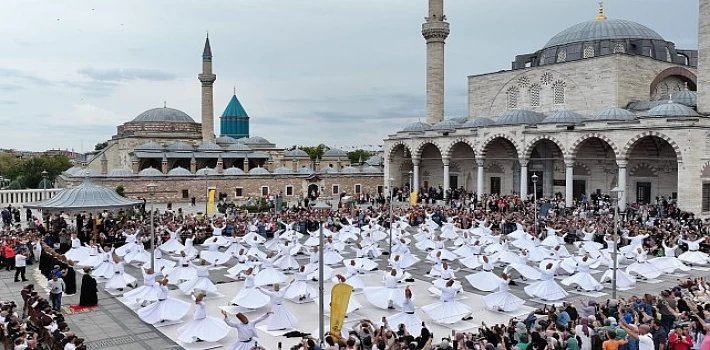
point(340, 72)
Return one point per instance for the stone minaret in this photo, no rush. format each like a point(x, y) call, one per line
point(207, 79)
point(704, 58)
point(435, 30)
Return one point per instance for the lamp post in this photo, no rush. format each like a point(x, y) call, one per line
point(534, 181)
point(391, 181)
point(45, 176)
point(321, 206)
point(151, 190)
point(615, 237)
point(207, 191)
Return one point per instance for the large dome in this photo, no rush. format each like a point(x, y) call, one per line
point(165, 115)
point(607, 29)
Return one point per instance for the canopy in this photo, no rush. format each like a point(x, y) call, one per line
point(85, 197)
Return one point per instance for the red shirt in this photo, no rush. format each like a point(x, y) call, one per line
point(682, 342)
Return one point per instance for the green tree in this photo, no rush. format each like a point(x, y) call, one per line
point(357, 155)
point(315, 152)
point(121, 191)
point(101, 145)
point(29, 172)
point(7, 161)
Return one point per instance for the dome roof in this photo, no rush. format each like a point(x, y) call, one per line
point(73, 171)
point(459, 120)
point(209, 147)
point(233, 171)
point(447, 124)
point(615, 113)
point(225, 140)
point(258, 171)
point(305, 170)
point(685, 97)
point(478, 122)
point(329, 170)
point(335, 152)
point(164, 115)
point(85, 197)
point(181, 147)
point(283, 170)
point(417, 127)
point(375, 160)
point(255, 140)
point(150, 172)
point(179, 171)
point(645, 104)
point(671, 109)
point(564, 117)
point(607, 29)
point(238, 147)
point(120, 172)
point(520, 116)
point(89, 173)
point(371, 170)
point(350, 170)
point(151, 147)
point(206, 171)
point(296, 153)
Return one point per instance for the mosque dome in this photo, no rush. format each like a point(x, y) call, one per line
point(258, 171)
point(120, 172)
point(685, 97)
point(74, 171)
point(233, 171)
point(615, 113)
point(417, 127)
point(151, 147)
point(305, 170)
point(520, 116)
point(179, 171)
point(478, 122)
point(225, 140)
point(447, 124)
point(329, 170)
point(349, 170)
point(671, 109)
point(283, 171)
point(371, 170)
point(375, 160)
point(335, 152)
point(150, 172)
point(564, 117)
point(604, 29)
point(238, 147)
point(206, 171)
point(181, 147)
point(163, 115)
point(459, 120)
point(209, 147)
point(254, 140)
point(296, 153)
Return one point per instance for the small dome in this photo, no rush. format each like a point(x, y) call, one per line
point(73, 171)
point(417, 127)
point(608, 29)
point(459, 120)
point(209, 147)
point(671, 109)
point(329, 170)
point(296, 153)
point(305, 170)
point(163, 115)
point(335, 152)
point(283, 170)
point(478, 122)
point(615, 113)
point(645, 104)
point(120, 172)
point(88, 173)
point(448, 124)
point(206, 171)
point(225, 140)
point(233, 171)
point(255, 140)
point(150, 172)
point(238, 147)
point(181, 147)
point(520, 116)
point(375, 160)
point(258, 171)
point(371, 170)
point(350, 170)
point(685, 97)
point(564, 117)
point(151, 147)
point(179, 171)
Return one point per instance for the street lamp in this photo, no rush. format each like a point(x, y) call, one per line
point(534, 181)
point(151, 190)
point(321, 206)
point(391, 181)
point(207, 191)
point(614, 253)
point(45, 175)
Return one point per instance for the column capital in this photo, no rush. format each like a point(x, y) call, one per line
point(416, 161)
point(480, 162)
point(523, 161)
point(569, 161)
point(446, 160)
point(622, 163)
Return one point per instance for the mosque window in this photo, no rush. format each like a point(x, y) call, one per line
point(619, 48)
point(534, 92)
point(513, 97)
point(706, 197)
point(559, 92)
point(336, 190)
point(238, 192)
point(264, 191)
point(289, 190)
point(562, 56)
point(589, 52)
point(358, 188)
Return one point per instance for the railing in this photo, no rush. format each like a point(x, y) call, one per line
point(18, 198)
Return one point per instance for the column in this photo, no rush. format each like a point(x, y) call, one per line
point(622, 163)
point(569, 182)
point(415, 182)
point(447, 184)
point(523, 178)
point(479, 179)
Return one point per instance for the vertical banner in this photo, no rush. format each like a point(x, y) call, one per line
point(210, 200)
point(413, 198)
point(339, 300)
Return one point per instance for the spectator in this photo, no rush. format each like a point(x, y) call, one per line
point(56, 289)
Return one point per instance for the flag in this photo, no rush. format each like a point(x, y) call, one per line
point(210, 201)
point(339, 300)
point(413, 198)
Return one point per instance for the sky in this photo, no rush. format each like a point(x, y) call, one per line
point(345, 73)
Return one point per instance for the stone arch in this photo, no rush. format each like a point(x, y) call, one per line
point(394, 146)
point(484, 145)
point(494, 168)
point(680, 72)
point(581, 169)
point(575, 146)
point(448, 148)
point(643, 170)
point(533, 142)
point(706, 170)
point(420, 147)
point(629, 145)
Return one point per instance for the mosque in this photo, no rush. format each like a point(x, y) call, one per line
point(603, 104)
point(183, 158)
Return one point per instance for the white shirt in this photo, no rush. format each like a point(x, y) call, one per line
point(645, 342)
point(20, 260)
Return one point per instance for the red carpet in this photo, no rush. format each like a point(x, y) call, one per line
point(80, 309)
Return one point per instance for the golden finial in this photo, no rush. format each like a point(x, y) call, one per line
point(601, 16)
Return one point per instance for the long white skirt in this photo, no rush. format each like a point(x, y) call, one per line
point(250, 298)
point(162, 266)
point(472, 262)
point(332, 258)
point(410, 321)
point(287, 262)
point(171, 246)
point(441, 283)
point(280, 319)
point(120, 281)
point(77, 254)
point(182, 273)
point(623, 279)
point(143, 293)
point(137, 255)
point(502, 301)
point(584, 280)
point(668, 264)
point(216, 258)
point(200, 283)
point(486, 281)
point(209, 329)
point(447, 312)
point(126, 248)
point(355, 281)
point(104, 270)
point(645, 270)
point(383, 297)
point(238, 268)
point(91, 261)
point(164, 310)
point(269, 276)
point(546, 290)
point(425, 245)
point(694, 258)
point(407, 260)
point(300, 289)
point(525, 271)
point(221, 241)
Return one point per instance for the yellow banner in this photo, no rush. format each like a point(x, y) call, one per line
point(210, 200)
point(413, 198)
point(339, 300)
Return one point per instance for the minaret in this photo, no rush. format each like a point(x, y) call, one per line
point(207, 79)
point(704, 58)
point(435, 30)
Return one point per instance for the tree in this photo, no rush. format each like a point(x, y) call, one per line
point(7, 160)
point(101, 145)
point(315, 152)
point(121, 191)
point(359, 154)
point(29, 172)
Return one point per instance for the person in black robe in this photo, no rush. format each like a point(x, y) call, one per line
point(69, 274)
point(45, 262)
point(88, 296)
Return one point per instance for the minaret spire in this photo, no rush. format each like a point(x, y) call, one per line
point(601, 16)
point(435, 31)
point(207, 79)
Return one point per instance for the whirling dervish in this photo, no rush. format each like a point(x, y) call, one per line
point(388, 296)
point(202, 327)
point(165, 309)
point(280, 317)
point(448, 310)
point(503, 299)
point(546, 289)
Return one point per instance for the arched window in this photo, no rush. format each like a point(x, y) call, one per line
point(558, 89)
point(619, 48)
point(534, 92)
point(512, 97)
point(589, 52)
point(561, 56)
